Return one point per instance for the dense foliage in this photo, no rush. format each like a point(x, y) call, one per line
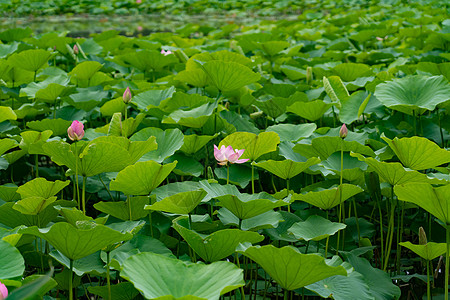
point(331, 130)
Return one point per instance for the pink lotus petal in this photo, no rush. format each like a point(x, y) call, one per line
point(229, 151)
point(240, 152)
point(240, 161)
point(233, 158)
point(3, 291)
point(219, 153)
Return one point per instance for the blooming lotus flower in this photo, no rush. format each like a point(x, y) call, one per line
point(75, 131)
point(225, 155)
point(3, 291)
point(343, 132)
point(166, 52)
point(127, 95)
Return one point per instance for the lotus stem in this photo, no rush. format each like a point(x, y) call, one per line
point(390, 230)
point(190, 221)
point(428, 281)
point(129, 207)
point(228, 173)
point(357, 221)
point(447, 260)
point(108, 279)
point(287, 187)
point(286, 294)
point(150, 223)
point(253, 178)
point(70, 280)
point(83, 195)
point(340, 193)
point(76, 175)
point(36, 162)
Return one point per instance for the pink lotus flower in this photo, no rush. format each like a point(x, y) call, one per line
point(75, 49)
point(75, 131)
point(3, 291)
point(343, 132)
point(127, 95)
point(138, 1)
point(166, 52)
point(225, 155)
point(139, 28)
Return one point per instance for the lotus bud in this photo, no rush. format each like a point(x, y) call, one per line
point(3, 291)
point(75, 131)
point(75, 49)
point(343, 131)
point(309, 75)
point(127, 95)
point(422, 236)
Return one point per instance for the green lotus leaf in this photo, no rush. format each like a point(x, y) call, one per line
point(138, 244)
point(413, 95)
point(394, 173)
point(232, 121)
point(112, 106)
point(315, 228)
point(291, 132)
point(8, 193)
point(33, 205)
point(131, 209)
point(240, 175)
point(193, 143)
point(353, 168)
point(6, 50)
point(335, 89)
point(181, 203)
point(51, 93)
point(254, 145)
point(6, 113)
point(57, 126)
point(34, 87)
point(311, 111)
point(87, 98)
point(352, 286)
point(267, 220)
point(229, 76)
point(293, 73)
point(196, 77)
point(91, 264)
point(40, 187)
point(429, 251)
point(245, 206)
point(288, 267)
point(217, 245)
point(169, 141)
point(280, 233)
point(6, 144)
point(351, 71)
point(14, 218)
point(183, 101)
point(15, 34)
point(287, 169)
point(418, 153)
point(274, 107)
point(121, 291)
point(186, 166)
point(435, 69)
point(379, 282)
point(85, 70)
point(30, 60)
point(147, 60)
point(72, 215)
point(433, 199)
point(272, 48)
point(76, 243)
point(324, 146)
point(173, 277)
point(152, 98)
point(195, 118)
point(327, 199)
point(353, 106)
point(33, 287)
point(12, 264)
point(32, 141)
point(141, 178)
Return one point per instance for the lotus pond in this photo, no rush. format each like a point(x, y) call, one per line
point(300, 157)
